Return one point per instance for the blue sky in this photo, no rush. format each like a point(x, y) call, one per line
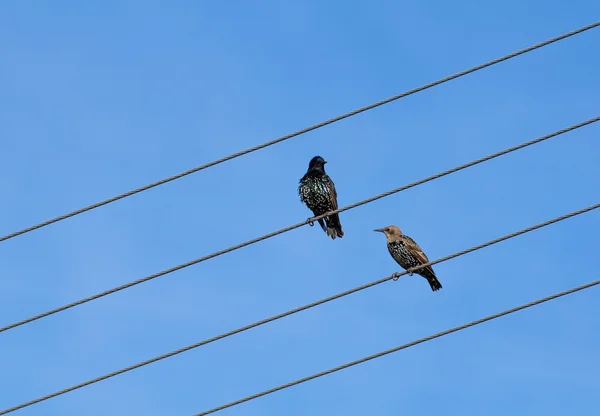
point(101, 98)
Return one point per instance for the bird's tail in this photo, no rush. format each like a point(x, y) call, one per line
point(429, 274)
point(322, 224)
point(334, 227)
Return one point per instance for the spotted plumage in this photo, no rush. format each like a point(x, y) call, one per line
point(318, 192)
point(408, 254)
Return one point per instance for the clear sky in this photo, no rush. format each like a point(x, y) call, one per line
point(98, 98)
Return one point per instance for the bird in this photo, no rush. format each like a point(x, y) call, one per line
point(317, 191)
point(408, 254)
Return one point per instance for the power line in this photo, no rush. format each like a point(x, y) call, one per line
point(299, 132)
point(293, 311)
point(300, 224)
point(401, 347)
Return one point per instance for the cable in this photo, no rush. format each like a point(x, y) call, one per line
point(401, 347)
point(293, 311)
point(299, 132)
point(300, 224)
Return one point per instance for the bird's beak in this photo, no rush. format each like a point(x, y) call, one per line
point(324, 162)
point(379, 230)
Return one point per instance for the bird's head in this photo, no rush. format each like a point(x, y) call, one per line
point(317, 162)
point(391, 232)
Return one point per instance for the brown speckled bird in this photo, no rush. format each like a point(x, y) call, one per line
point(408, 254)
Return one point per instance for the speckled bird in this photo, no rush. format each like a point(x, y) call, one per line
point(318, 192)
point(408, 254)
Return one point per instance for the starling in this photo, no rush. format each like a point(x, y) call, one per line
point(317, 191)
point(408, 254)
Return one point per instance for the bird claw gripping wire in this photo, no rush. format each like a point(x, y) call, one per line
point(310, 222)
point(395, 276)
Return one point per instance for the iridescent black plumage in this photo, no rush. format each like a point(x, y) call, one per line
point(408, 254)
point(318, 192)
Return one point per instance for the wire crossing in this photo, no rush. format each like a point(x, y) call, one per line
point(293, 311)
point(300, 132)
point(402, 347)
point(300, 224)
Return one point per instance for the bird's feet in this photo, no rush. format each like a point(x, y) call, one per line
point(310, 222)
point(395, 277)
point(410, 273)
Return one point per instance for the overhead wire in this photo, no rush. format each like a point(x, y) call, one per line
point(299, 132)
point(394, 276)
point(401, 347)
point(300, 224)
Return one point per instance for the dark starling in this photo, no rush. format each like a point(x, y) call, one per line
point(408, 254)
point(318, 192)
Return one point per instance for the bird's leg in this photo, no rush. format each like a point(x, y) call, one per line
point(395, 276)
point(410, 273)
point(310, 222)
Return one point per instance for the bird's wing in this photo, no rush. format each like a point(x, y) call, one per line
point(415, 250)
point(301, 184)
point(332, 193)
point(300, 194)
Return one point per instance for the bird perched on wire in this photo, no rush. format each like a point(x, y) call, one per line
point(408, 254)
point(318, 192)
